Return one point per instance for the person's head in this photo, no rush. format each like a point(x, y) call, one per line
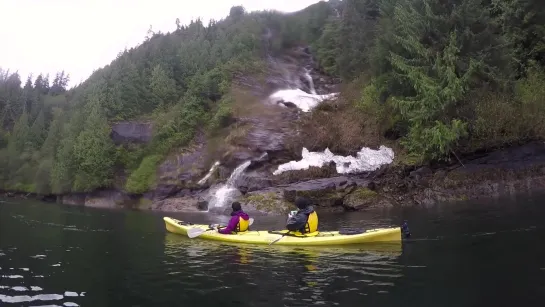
point(302, 202)
point(236, 206)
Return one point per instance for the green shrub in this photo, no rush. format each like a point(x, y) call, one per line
point(144, 177)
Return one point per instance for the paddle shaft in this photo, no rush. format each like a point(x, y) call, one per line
point(200, 232)
point(278, 239)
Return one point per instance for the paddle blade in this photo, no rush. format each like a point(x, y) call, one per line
point(195, 232)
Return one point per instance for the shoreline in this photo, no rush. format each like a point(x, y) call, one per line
point(504, 172)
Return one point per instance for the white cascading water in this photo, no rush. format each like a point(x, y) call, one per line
point(310, 82)
point(304, 101)
point(210, 172)
point(224, 193)
point(366, 160)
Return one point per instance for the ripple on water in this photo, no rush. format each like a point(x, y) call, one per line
point(28, 298)
point(12, 276)
point(70, 293)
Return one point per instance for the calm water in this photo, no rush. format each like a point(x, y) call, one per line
point(474, 254)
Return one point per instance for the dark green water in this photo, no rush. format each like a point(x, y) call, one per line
point(474, 254)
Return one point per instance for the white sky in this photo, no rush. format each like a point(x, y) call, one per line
point(79, 36)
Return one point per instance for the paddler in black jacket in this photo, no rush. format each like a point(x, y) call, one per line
point(305, 220)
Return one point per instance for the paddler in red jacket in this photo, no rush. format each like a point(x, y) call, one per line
point(240, 221)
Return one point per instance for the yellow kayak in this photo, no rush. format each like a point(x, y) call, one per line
point(323, 238)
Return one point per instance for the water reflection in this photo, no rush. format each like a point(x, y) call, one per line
point(307, 275)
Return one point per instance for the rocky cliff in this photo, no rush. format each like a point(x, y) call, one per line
point(264, 132)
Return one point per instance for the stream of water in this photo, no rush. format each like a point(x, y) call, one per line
point(468, 254)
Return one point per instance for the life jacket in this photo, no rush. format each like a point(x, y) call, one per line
point(311, 227)
point(242, 225)
point(312, 223)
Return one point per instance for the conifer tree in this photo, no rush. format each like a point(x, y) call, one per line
point(94, 151)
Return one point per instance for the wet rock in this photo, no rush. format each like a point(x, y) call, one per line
point(131, 132)
point(361, 198)
point(350, 186)
point(73, 199)
point(106, 199)
point(325, 193)
point(183, 168)
point(163, 191)
point(269, 134)
point(259, 161)
point(202, 205)
point(187, 192)
point(224, 172)
point(419, 173)
point(287, 104)
point(243, 190)
point(505, 172)
point(266, 202)
point(290, 195)
point(178, 204)
point(256, 180)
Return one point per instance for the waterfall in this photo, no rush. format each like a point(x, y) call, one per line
point(224, 193)
point(366, 160)
point(210, 172)
point(302, 100)
point(310, 82)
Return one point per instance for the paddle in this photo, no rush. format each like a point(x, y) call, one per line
point(278, 239)
point(195, 232)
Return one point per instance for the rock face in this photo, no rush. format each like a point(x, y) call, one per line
point(181, 171)
point(131, 132)
point(339, 193)
point(264, 137)
point(98, 199)
point(270, 127)
point(519, 169)
point(509, 171)
point(178, 204)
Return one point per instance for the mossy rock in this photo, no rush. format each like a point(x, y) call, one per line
point(325, 198)
point(360, 198)
point(144, 203)
point(270, 202)
point(326, 192)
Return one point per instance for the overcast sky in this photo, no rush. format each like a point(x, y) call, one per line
point(80, 36)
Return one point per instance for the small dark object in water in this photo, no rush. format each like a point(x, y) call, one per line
point(405, 229)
